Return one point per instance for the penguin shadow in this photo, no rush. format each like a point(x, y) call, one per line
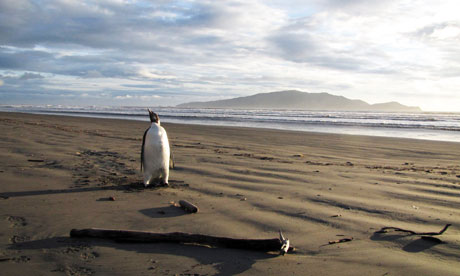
point(132, 186)
point(225, 261)
point(415, 245)
point(56, 191)
point(135, 186)
point(163, 212)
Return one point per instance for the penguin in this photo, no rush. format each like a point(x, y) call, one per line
point(155, 153)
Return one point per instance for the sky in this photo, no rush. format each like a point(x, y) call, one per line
point(163, 53)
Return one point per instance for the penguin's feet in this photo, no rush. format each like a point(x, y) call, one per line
point(161, 184)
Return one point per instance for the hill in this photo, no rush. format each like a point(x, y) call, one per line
point(297, 100)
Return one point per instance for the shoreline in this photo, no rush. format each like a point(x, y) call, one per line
point(237, 127)
point(59, 173)
point(391, 125)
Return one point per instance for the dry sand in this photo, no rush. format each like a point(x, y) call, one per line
point(58, 173)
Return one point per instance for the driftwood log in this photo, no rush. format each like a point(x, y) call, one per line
point(188, 207)
point(265, 245)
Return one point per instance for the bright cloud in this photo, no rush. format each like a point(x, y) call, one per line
point(169, 52)
point(140, 97)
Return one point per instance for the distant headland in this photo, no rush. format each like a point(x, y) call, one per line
point(297, 100)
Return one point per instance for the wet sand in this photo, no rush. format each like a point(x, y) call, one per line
point(58, 173)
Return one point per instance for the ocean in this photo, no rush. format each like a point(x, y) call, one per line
point(424, 125)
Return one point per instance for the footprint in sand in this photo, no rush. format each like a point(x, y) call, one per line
point(75, 270)
point(21, 259)
point(83, 251)
point(16, 221)
point(89, 256)
point(19, 239)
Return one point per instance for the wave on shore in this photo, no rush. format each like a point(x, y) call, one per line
point(426, 125)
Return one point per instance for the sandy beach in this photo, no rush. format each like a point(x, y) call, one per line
point(59, 173)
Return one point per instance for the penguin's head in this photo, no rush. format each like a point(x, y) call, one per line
point(154, 117)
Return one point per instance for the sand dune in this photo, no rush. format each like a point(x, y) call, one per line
point(58, 173)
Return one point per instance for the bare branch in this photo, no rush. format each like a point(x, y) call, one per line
point(384, 230)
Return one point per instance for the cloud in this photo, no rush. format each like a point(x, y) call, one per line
point(154, 74)
point(325, 40)
point(199, 50)
point(30, 76)
point(137, 97)
point(302, 48)
point(439, 31)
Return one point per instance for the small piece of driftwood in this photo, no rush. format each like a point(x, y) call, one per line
point(188, 207)
point(341, 240)
point(265, 245)
point(384, 230)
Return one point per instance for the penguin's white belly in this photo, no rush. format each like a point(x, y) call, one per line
point(156, 156)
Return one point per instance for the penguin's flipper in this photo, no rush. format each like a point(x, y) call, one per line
point(142, 150)
point(171, 160)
